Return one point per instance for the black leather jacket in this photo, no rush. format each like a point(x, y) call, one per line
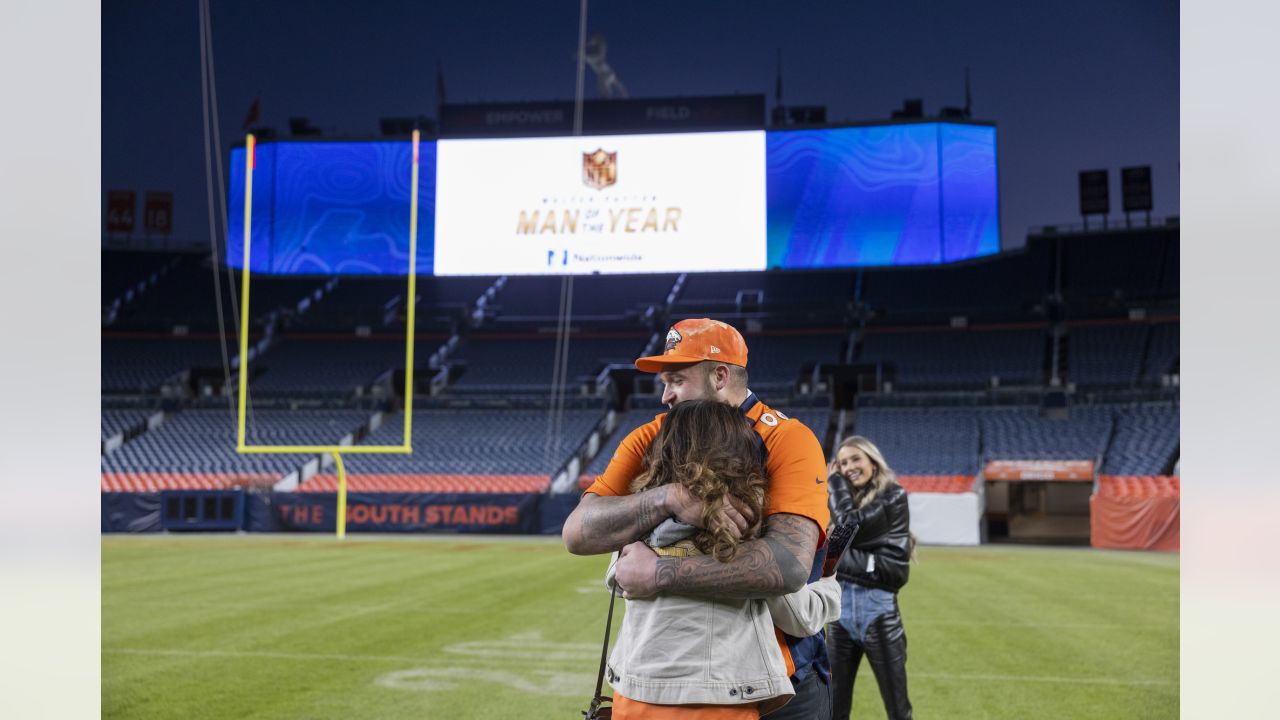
point(879, 554)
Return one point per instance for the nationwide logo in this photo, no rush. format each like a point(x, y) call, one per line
point(599, 169)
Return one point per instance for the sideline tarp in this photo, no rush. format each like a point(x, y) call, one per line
point(946, 518)
point(555, 510)
point(1135, 523)
point(130, 512)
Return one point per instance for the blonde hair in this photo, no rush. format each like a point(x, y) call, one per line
point(882, 475)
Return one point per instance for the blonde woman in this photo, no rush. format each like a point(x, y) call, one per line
point(865, 491)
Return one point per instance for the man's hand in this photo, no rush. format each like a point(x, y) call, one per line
point(637, 571)
point(688, 509)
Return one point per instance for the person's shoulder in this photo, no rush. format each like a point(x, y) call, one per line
point(781, 427)
point(895, 493)
point(645, 433)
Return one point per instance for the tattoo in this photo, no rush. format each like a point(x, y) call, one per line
point(776, 564)
point(607, 524)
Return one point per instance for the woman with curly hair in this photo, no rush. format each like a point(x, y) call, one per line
point(699, 657)
point(864, 491)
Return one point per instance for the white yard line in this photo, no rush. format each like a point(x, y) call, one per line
point(488, 660)
point(966, 677)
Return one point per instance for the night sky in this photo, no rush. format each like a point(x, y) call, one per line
point(1071, 86)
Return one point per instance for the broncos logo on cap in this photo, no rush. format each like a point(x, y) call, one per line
point(673, 339)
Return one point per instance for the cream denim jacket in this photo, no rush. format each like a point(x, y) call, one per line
point(675, 650)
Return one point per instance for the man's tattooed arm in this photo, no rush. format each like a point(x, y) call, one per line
point(603, 524)
point(775, 564)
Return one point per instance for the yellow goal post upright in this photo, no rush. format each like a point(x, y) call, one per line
point(337, 451)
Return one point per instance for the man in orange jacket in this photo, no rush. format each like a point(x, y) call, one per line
point(707, 359)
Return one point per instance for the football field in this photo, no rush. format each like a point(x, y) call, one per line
point(305, 626)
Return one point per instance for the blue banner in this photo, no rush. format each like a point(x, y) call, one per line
point(333, 208)
point(130, 512)
point(410, 512)
point(917, 194)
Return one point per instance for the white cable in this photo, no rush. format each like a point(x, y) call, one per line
point(212, 159)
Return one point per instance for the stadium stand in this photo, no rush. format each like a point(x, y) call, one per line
point(796, 299)
point(1162, 355)
point(203, 442)
point(991, 290)
point(1106, 355)
point(429, 483)
point(126, 275)
point(328, 368)
point(275, 294)
point(118, 421)
point(775, 360)
point(1022, 434)
point(968, 358)
point(183, 298)
point(379, 305)
point(141, 364)
point(595, 297)
point(1121, 265)
point(1145, 440)
point(526, 364)
point(953, 444)
point(476, 442)
point(815, 417)
point(628, 421)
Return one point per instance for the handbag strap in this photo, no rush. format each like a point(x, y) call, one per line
point(604, 651)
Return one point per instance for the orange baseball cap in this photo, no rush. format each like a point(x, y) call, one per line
point(695, 340)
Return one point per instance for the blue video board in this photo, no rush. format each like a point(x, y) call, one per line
point(915, 194)
point(903, 194)
point(332, 208)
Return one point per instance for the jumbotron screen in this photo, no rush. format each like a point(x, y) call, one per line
point(908, 194)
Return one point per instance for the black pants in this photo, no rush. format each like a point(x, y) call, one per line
point(812, 701)
point(885, 646)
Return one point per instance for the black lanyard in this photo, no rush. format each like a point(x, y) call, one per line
point(595, 712)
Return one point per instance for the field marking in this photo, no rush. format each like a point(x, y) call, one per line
point(552, 682)
point(293, 605)
point(1033, 624)
point(1041, 679)
point(525, 646)
point(460, 664)
point(521, 649)
point(268, 654)
point(451, 678)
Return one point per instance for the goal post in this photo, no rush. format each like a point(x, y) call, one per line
point(406, 446)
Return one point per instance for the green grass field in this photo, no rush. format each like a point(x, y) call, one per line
point(303, 626)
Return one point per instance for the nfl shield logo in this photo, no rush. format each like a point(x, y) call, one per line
point(599, 169)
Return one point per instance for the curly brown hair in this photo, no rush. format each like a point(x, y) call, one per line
point(710, 449)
